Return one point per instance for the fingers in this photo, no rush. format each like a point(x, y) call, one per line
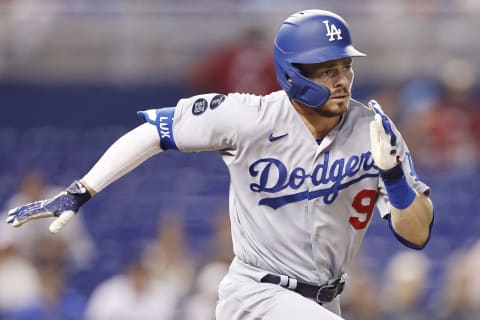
point(375, 107)
point(17, 223)
point(12, 218)
point(23, 211)
point(381, 118)
point(376, 128)
point(35, 210)
point(19, 216)
point(11, 215)
point(16, 217)
point(61, 221)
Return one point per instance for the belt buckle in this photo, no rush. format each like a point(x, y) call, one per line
point(331, 289)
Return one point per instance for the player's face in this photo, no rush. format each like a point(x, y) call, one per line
point(337, 76)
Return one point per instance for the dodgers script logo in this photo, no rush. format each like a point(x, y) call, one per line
point(273, 176)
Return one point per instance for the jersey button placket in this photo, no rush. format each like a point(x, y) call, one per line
point(318, 160)
point(311, 187)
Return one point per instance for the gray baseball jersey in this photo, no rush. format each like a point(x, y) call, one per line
point(299, 207)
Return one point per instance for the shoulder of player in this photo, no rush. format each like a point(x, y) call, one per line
point(359, 110)
point(214, 100)
point(256, 101)
point(360, 113)
point(244, 100)
point(359, 106)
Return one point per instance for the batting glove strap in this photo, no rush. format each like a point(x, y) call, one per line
point(392, 175)
point(79, 193)
point(71, 199)
point(399, 192)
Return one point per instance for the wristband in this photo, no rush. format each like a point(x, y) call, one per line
point(79, 193)
point(400, 193)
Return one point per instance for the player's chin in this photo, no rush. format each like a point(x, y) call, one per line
point(335, 108)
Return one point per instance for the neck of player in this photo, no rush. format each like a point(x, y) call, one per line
point(317, 123)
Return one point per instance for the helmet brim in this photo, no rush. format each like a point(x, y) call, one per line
point(325, 54)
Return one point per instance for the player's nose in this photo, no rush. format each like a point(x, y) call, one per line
point(343, 79)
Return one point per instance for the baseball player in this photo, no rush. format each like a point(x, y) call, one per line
point(308, 165)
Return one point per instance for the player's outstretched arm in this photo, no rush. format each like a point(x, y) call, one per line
point(411, 213)
point(123, 156)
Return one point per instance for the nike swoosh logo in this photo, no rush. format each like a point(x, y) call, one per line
point(272, 138)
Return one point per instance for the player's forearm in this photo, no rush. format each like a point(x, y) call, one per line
point(128, 152)
point(413, 223)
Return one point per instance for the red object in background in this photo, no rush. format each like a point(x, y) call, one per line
point(245, 65)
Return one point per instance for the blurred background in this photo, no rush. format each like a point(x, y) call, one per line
point(155, 244)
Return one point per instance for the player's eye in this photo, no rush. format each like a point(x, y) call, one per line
point(348, 67)
point(329, 73)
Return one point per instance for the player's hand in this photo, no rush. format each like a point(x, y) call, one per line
point(64, 206)
point(382, 138)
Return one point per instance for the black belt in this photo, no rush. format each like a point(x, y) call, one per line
point(322, 294)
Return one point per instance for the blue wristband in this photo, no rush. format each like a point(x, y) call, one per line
point(78, 193)
point(399, 192)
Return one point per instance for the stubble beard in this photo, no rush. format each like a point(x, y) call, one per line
point(332, 109)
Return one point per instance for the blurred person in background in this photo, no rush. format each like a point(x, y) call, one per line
point(446, 135)
point(473, 283)
point(388, 93)
point(244, 65)
point(200, 305)
point(29, 24)
point(55, 300)
point(405, 284)
point(18, 278)
point(416, 97)
point(132, 294)
point(361, 295)
point(222, 246)
point(33, 187)
point(457, 299)
point(167, 256)
point(21, 256)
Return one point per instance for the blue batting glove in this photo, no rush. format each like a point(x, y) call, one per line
point(64, 206)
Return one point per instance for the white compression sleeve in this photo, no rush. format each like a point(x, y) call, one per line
point(128, 152)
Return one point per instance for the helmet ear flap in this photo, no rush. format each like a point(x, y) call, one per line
point(308, 92)
point(300, 88)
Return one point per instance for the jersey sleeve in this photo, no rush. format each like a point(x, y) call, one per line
point(205, 122)
point(410, 175)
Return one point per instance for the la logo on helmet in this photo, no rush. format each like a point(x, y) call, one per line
point(332, 31)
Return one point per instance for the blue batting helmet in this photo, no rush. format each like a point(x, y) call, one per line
point(310, 36)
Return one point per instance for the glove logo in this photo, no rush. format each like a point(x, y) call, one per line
point(80, 187)
point(332, 31)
